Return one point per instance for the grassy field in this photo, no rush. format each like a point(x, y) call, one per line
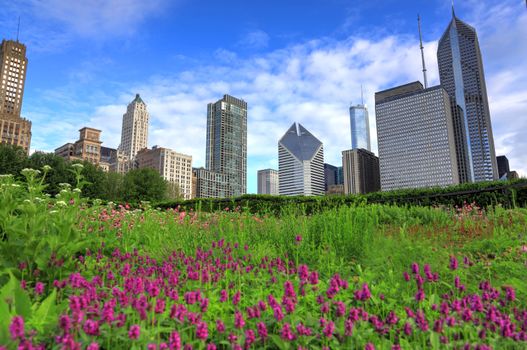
point(97, 276)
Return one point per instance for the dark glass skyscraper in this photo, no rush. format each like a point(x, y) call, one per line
point(227, 142)
point(461, 75)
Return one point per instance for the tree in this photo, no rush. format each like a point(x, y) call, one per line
point(112, 187)
point(59, 170)
point(12, 159)
point(174, 191)
point(95, 177)
point(143, 185)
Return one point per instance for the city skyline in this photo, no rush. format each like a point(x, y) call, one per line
point(276, 79)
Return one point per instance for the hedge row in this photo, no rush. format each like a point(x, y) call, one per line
point(506, 193)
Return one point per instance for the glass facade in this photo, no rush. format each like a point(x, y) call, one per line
point(461, 74)
point(360, 127)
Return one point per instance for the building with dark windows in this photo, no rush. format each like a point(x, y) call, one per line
point(14, 130)
point(300, 163)
point(416, 138)
point(461, 75)
point(503, 166)
point(210, 184)
point(227, 143)
point(268, 181)
point(332, 176)
point(360, 127)
point(361, 171)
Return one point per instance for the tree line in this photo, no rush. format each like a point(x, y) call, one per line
point(136, 185)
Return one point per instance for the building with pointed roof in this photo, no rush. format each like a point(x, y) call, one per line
point(461, 75)
point(134, 133)
point(300, 163)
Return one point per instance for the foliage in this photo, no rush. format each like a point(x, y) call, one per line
point(12, 159)
point(506, 193)
point(143, 185)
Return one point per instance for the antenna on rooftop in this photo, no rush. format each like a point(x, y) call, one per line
point(18, 29)
point(361, 96)
point(422, 50)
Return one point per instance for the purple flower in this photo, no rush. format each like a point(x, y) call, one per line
point(16, 328)
point(287, 333)
point(453, 263)
point(369, 346)
point(262, 330)
point(134, 332)
point(329, 328)
point(406, 276)
point(91, 327)
point(236, 298)
point(239, 322)
point(415, 268)
point(39, 288)
point(420, 296)
point(94, 346)
point(175, 341)
point(220, 326)
point(202, 331)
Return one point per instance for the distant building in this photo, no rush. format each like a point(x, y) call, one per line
point(268, 181)
point(300, 163)
point(87, 148)
point(503, 166)
point(106, 157)
point(14, 130)
point(416, 138)
point(361, 171)
point(174, 167)
point(360, 127)
point(120, 163)
point(461, 75)
point(134, 132)
point(335, 190)
point(332, 176)
point(210, 184)
point(227, 143)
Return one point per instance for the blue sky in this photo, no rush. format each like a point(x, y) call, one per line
point(290, 60)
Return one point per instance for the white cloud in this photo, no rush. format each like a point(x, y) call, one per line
point(257, 39)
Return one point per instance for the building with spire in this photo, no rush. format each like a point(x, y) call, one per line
point(461, 75)
point(14, 129)
point(134, 133)
point(300, 163)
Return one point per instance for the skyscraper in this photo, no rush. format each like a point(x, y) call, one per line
point(227, 142)
point(461, 75)
point(332, 176)
point(503, 165)
point(268, 181)
point(360, 127)
point(14, 129)
point(300, 163)
point(416, 137)
point(361, 171)
point(134, 133)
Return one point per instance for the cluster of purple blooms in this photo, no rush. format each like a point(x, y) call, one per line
point(223, 296)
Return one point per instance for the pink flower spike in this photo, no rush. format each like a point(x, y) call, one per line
point(16, 328)
point(134, 332)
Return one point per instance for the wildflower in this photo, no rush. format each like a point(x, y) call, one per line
point(286, 332)
point(415, 268)
point(407, 329)
point(453, 263)
point(211, 346)
point(65, 323)
point(134, 332)
point(223, 296)
point(278, 314)
point(202, 331)
point(220, 326)
point(510, 294)
point(239, 322)
point(16, 328)
point(329, 328)
point(94, 346)
point(250, 338)
point(262, 330)
point(91, 327)
point(406, 276)
point(39, 288)
point(175, 341)
point(420, 295)
point(369, 346)
point(77, 166)
point(298, 239)
point(236, 298)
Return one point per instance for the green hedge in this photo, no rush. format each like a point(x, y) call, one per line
point(484, 194)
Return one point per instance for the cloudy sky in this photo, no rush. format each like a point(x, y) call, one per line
point(293, 60)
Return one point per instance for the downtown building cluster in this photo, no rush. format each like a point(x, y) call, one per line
point(427, 136)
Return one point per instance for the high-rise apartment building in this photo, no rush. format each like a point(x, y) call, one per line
point(416, 137)
point(461, 75)
point(268, 181)
point(361, 171)
point(227, 142)
point(134, 133)
point(87, 148)
point(360, 127)
point(174, 167)
point(14, 129)
point(300, 163)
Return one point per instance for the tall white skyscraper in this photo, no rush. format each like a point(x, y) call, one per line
point(300, 163)
point(134, 133)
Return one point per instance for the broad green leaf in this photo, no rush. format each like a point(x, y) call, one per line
point(46, 313)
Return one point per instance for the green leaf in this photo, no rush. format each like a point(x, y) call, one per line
point(13, 294)
point(46, 314)
point(434, 340)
